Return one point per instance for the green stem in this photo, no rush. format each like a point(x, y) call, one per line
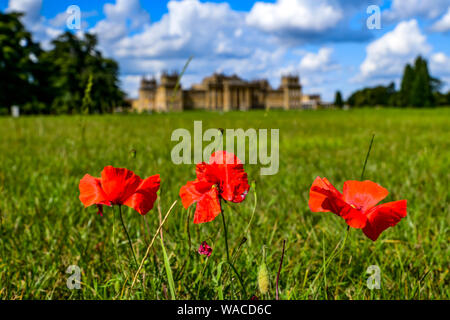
point(200, 279)
point(254, 209)
point(128, 236)
point(367, 157)
point(228, 253)
point(342, 251)
point(114, 238)
point(239, 277)
point(226, 234)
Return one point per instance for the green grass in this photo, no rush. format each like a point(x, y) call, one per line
point(44, 227)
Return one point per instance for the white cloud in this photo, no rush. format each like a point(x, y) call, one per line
point(318, 72)
point(220, 41)
point(190, 28)
point(33, 20)
point(405, 9)
point(440, 64)
point(443, 24)
point(387, 56)
point(31, 8)
point(299, 15)
point(60, 20)
point(130, 84)
point(261, 63)
point(127, 10)
point(318, 62)
point(121, 17)
point(214, 34)
point(440, 67)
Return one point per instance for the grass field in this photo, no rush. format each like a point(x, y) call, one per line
point(44, 228)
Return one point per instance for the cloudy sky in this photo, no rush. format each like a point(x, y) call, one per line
point(326, 42)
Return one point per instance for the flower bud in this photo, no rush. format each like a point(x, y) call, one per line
point(263, 279)
point(263, 275)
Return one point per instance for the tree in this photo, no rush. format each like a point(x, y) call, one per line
point(18, 63)
point(338, 102)
point(421, 90)
point(418, 89)
point(406, 86)
point(442, 99)
point(76, 65)
point(54, 81)
point(376, 96)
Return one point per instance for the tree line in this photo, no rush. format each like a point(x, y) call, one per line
point(72, 77)
point(418, 89)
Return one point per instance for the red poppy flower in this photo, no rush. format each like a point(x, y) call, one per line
point(204, 249)
point(119, 186)
point(357, 205)
point(222, 178)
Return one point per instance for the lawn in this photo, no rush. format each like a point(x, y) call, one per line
point(44, 228)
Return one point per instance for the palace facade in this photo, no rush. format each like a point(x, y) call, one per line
point(223, 93)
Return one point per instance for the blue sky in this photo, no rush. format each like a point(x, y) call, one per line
point(326, 42)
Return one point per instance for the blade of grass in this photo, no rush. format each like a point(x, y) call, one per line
point(177, 85)
point(168, 271)
point(367, 157)
point(279, 269)
point(254, 208)
point(151, 245)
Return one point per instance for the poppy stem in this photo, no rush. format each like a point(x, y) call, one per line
point(226, 233)
point(367, 157)
point(128, 236)
point(230, 263)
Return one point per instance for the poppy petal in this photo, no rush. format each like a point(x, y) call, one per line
point(363, 195)
point(320, 190)
point(384, 216)
point(206, 172)
point(208, 208)
point(234, 185)
point(189, 194)
point(230, 173)
point(192, 192)
point(324, 197)
point(353, 217)
point(145, 196)
point(119, 183)
point(224, 158)
point(91, 191)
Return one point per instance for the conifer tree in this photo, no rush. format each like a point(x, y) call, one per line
point(338, 102)
point(421, 91)
point(406, 86)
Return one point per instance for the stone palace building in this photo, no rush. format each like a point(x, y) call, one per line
point(223, 93)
